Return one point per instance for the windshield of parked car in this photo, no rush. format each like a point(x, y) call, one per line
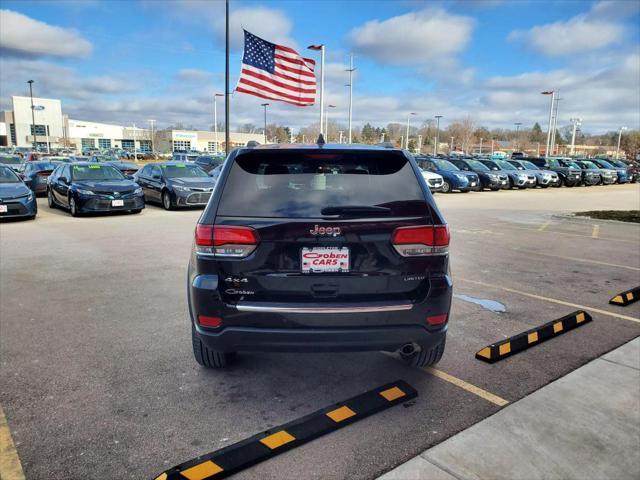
point(446, 165)
point(125, 165)
point(504, 165)
point(181, 170)
point(588, 164)
point(618, 163)
point(606, 164)
point(10, 159)
point(95, 172)
point(59, 159)
point(478, 165)
point(8, 176)
point(529, 165)
point(298, 184)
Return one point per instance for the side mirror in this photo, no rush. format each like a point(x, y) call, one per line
point(63, 180)
point(156, 177)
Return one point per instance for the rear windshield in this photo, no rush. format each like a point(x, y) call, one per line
point(301, 184)
point(43, 166)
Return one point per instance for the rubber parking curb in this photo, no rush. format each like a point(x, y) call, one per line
point(522, 341)
point(626, 298)
point(234, 458)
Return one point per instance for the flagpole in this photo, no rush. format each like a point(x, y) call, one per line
point(321, 86)
point(226, 82)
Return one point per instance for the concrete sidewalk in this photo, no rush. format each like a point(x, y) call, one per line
point(585, 425)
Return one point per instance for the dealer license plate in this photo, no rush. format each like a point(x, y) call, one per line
point(3, 209)
point(325, 259)
point(117, 203)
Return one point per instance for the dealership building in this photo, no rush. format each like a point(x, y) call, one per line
point(50, 128)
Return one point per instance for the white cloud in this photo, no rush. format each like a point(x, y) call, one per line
point(415, 37)
point(26, 36)
point(593, 30)
point(267, 23)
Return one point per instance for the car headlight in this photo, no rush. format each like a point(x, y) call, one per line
point(84, 192)
point(138, 191)
point(181, 189)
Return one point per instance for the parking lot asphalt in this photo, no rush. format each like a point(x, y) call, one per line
point(98, 379)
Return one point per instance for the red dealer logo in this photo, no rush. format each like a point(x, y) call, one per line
point(320, 259)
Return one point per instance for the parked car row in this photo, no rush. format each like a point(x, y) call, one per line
point(101, 182)
point(465, 174)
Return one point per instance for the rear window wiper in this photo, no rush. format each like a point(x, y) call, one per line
point(354, 210)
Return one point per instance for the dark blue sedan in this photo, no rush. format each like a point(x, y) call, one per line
point(35, 175)
point(16, 199)
point(93, 187)
point(454, 178)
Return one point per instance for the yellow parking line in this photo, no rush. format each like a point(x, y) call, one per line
point(595, 232)
point(544, 226)
point(10, 467)
point(553, 300)
point(490, 397)
point(585, 260)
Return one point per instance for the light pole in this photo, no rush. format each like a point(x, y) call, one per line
point(480, 145)
point(407, 139)
point(33, 117)
point(576, 123)
point(265, 105)
point(326, 130)
point(553, 96)
point(350, 70)
point(555, 123)
point(517, 124)
point(340, 132)
point(435, 150)
point(151, 121)
point(419, 143)
point(435, 140)
point(135, 150)
point(492, 146)
point(619, 138)
point(215, 119)
point(451, 147)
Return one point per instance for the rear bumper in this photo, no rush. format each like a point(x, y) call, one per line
point(233, 339)
point(319, 326)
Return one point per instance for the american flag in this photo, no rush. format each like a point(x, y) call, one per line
point(276, 72)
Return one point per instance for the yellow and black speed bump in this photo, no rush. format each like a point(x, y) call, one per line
point(626, 298)
point(510, 346)
point(260, 447)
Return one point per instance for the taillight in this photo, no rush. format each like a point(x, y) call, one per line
point(45, 173)
point(435, 320)
point(225, 241)
point(212, 322)
point(421, 241)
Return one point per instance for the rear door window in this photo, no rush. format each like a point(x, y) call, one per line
point(300, 184)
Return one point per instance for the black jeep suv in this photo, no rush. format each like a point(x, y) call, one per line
point(320, 248)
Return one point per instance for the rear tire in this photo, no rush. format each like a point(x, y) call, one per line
point(205, 356)
point(425, 357)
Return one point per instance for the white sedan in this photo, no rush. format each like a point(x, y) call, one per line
point(434, 180)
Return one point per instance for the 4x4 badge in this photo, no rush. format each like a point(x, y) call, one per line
point(333, 231)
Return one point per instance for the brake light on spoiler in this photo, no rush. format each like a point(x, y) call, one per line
point(421, 241)
point(225, 241)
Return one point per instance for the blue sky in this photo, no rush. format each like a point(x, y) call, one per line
point(124, 62)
